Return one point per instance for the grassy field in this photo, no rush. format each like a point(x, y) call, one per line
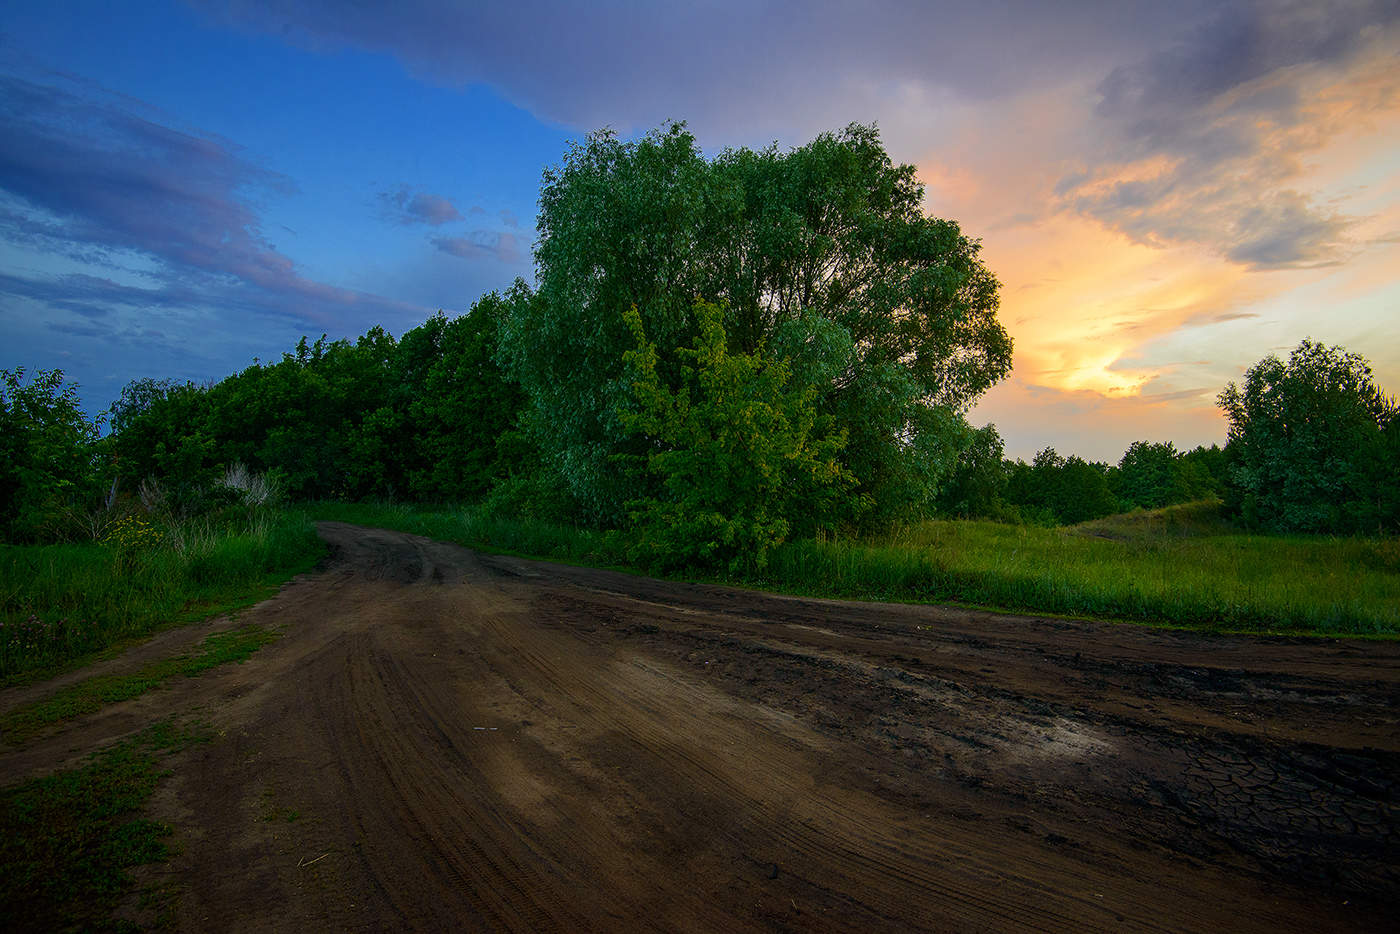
point(68, 839)
point(60, 604)
point(1180, 566)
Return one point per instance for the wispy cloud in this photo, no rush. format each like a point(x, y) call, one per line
point(482, 244)
point(419, 207)
point(1203, 142)
point(730, 66)
point(88, 178)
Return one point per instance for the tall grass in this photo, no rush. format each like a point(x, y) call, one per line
point(62, 602)
point(1181, 566)
point(1163, 567)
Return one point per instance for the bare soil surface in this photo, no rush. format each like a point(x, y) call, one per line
point(445, 740)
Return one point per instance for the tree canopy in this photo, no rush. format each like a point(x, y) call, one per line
point(820, 256)
point(1314, 444)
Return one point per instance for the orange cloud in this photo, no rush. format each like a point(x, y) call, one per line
point(1122, 334)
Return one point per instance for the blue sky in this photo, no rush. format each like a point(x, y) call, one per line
point(219, 193)
point(1167, 191)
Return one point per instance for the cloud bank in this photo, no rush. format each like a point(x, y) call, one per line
point(169, 211)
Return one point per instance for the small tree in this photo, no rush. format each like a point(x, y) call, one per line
point(46, 454)
point(1151, 475)
point(1313, 444)
point(1070, 490)
point(978, 484)
point(732, 451)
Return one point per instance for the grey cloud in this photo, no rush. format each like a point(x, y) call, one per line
point(1214, 122)
point(1242, 42)
point(421, 207)
point(1176, 395)
point(730, 67)
point(1286, 230)
point(482, 244)
point(79, 330)
point(87, 177)
point(80, 308)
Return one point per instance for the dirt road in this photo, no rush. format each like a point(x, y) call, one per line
point(443, 740)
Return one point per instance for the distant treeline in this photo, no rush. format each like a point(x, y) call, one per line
point(1058, 490)
point(717, 356)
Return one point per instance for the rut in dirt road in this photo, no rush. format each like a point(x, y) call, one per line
point(486, 743)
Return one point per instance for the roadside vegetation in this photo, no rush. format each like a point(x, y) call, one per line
point(21, 724)
point(68, 840)
point(1181, 566)
point(89, 561)
point(66, 602)
point(1155, 567)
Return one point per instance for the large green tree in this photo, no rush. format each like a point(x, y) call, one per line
point(824, 249)
point(1314, 444)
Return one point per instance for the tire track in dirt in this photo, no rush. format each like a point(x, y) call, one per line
point(488, 743)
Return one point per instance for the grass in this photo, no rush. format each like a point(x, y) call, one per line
point(1182, 566)
point(1179, 567)
point(23, 723)
point(62, 604)
point(68, 840)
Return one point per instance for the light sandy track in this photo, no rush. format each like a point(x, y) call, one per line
point(483, 743)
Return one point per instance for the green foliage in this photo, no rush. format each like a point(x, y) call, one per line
point(1314, 444)
point(460, 405)
point(888, 315)
point(978, 484)
point(47, 468)
point(1185, 571)
point(375, 417)
point(65, 601)
point(68, 839)
point(1151, 476)
point(1055, 490)
point(737, 450)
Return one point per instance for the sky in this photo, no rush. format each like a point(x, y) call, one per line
point(1167, 192)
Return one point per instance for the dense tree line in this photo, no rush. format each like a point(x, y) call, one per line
point(1058, 490)
point(718, 354)
point(416, 418)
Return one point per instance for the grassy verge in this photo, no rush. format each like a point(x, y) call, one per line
point(67, 840)
point(1179, 567)
point(1153, 568)
point(23, 723)
point(60, 604)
